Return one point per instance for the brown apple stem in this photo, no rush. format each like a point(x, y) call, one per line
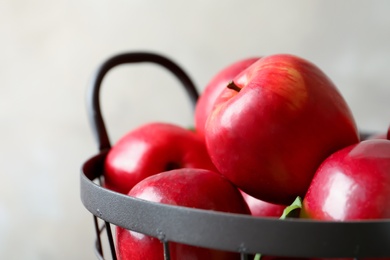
point(233, 86)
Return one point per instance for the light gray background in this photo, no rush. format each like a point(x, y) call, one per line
point(49, 49)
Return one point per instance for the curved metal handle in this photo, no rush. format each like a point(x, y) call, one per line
point(93, 101)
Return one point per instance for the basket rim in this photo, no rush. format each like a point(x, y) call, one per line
point(232, 232)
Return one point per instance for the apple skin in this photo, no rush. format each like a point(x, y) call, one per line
point(215, 86)
point(270, 137)
point(194, 188)
point(153, 148)
point(351, 184)
point(261, 208)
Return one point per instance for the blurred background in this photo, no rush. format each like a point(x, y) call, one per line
point(50, 49)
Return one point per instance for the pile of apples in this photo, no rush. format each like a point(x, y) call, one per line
point(267, 130)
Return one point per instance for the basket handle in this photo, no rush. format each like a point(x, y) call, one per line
point(93, 101)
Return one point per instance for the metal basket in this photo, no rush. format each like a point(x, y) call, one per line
point(224, 231)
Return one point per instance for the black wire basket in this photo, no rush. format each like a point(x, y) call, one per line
point(244, 234)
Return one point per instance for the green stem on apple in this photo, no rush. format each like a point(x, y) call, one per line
point(297, 204)
point(233, 86)
point(287, 212)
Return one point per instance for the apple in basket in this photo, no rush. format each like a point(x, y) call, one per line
point(194, 188)
point(274, 124)
point(351, 184)
point(215, 86)
point(260, 208)
point(153, 148)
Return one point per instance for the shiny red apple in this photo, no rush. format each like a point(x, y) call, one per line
point(351, 184)
point(194, 188)
point(153, 148)
point(273, 126)
point(260, 208)
point(219, 82)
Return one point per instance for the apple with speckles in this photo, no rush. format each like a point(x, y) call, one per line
point(274, 124)
point(206, 100)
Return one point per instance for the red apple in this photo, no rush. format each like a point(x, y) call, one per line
point(260, 208)
point(153, 148)
point(195, 188)
point(351, 184)
point(273, 126)
point(206, 100)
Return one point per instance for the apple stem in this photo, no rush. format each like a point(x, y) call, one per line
point(233, 86)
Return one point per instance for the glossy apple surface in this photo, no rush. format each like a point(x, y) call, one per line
point(195, 188)
point(206, 100)
point(260, 208)
point(352, 184)
point(271, 129)
point(153, 148)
